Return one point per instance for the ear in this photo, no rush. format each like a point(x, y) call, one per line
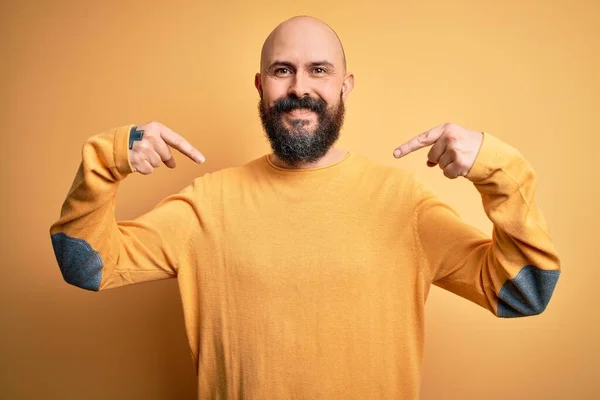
point(258, 84)
point(347, 86)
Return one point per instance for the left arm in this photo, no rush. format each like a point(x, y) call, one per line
point(513, 273)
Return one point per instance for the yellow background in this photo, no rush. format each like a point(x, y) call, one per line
point(526, 71)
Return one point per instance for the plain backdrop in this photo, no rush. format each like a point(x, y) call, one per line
point(526, 71)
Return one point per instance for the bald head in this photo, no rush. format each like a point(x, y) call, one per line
point(303, 37)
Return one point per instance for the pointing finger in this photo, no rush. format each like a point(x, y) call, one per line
point(179, 143)
point(425, 139)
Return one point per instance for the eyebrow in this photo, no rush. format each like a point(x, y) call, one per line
point(288, 64)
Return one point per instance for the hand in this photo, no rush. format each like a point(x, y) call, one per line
point(454, 148)
point(153, 149)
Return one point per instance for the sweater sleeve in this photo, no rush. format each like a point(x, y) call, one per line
point(96, 252)
point(513, 273)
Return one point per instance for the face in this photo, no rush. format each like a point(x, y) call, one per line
point(303, 86)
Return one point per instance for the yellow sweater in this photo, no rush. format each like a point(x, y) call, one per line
point(310, 284)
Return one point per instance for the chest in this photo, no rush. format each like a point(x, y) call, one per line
point(280, 249)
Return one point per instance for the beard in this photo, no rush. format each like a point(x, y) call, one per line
point(297, 145)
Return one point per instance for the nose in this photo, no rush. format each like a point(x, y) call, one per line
point(299, 86)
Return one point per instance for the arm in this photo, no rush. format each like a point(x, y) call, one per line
point(92, 249)
point(514, 272)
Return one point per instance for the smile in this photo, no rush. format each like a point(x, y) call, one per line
point(299, 112)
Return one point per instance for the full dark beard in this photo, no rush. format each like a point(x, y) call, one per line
point(298, 145)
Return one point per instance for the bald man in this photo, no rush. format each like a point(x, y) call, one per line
point(304, 273)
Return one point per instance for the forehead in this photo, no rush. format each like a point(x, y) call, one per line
point(300, 46)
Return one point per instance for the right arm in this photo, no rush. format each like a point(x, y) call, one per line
point(92, 249)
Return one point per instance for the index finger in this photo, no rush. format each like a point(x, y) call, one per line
point(177, 141)
point(425, 139)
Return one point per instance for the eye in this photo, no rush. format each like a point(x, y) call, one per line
point(282, 71)
point(319, 70)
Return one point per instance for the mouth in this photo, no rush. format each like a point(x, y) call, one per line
point(299, 112)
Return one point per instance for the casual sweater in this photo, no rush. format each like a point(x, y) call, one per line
point(310, 283)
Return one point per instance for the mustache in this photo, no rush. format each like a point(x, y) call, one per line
point(292, 102)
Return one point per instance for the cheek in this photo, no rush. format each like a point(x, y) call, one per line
point(273, 90)
point(331, 94)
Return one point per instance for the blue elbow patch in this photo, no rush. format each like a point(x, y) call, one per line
point(528, 293)
point(79, 264)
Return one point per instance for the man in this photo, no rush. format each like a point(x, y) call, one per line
point(304, 273)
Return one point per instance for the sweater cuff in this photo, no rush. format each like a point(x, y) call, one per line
point(492, 154)
point(122, 166)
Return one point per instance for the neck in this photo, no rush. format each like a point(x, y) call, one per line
point(332, 156)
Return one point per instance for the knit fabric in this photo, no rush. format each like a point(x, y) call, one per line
point(310, 283)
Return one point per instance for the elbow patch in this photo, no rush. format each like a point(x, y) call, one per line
point(528, 293)
point(79, 264)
